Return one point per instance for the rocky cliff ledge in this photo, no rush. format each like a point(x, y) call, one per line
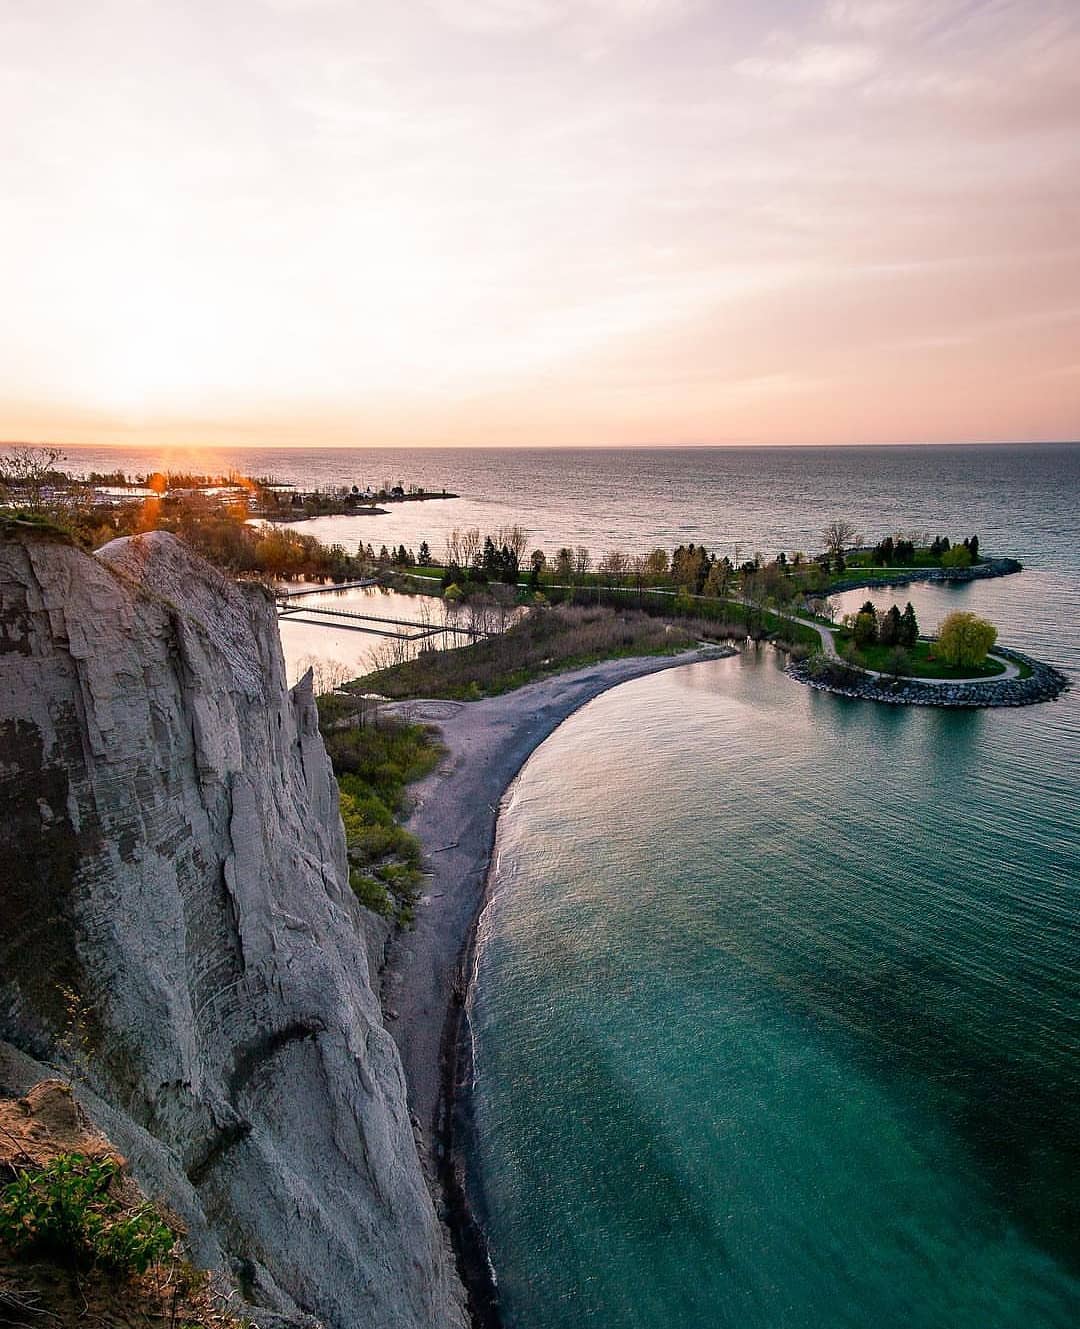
point(179, 937)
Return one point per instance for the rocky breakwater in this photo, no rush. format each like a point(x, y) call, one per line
point(179, 938)
point(1043, 683)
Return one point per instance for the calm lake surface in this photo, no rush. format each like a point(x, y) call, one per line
point(776, 1016)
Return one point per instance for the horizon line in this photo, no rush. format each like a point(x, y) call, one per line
point(535, 447)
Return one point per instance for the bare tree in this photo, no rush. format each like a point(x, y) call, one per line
point(514, 538)
point(657, 562)
point(393, 651)
point(612, 568)
point(426, 618)
point(639, 570)
point(582, 560)
point(837, 536)
point(504, 608)
point(470, 546)
point(481, 613)
point(326, 673)
point(25, 474)
point(455, 616)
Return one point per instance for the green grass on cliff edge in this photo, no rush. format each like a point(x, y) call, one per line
point(375, 759)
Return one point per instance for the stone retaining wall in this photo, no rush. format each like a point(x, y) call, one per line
point(1044, 684)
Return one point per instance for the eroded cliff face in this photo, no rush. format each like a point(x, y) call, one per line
point(179, 935)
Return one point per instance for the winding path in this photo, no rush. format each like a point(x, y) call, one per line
point(829, 643)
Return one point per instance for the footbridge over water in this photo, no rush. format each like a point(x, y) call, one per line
point(378, 625)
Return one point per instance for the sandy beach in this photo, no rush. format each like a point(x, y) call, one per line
point(455, 812)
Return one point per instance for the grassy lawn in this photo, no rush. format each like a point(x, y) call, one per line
point(560, 638)
point(922, 661)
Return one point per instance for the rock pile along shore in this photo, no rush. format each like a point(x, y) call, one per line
point(1043, 684)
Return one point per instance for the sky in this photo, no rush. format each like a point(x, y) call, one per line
point(539, 222)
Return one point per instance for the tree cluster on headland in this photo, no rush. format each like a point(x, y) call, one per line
point(869, 627)
point(888, 641)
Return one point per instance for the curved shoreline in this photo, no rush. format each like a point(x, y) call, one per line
point(426, 974)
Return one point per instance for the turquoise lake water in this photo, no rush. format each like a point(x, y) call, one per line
point(776, 1014)
point(776, 1017)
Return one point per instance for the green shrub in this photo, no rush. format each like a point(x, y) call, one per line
point(956, 557)
point(373, 764)
point(385, 757)
point(134, 1241)
point(401, 878)
point(372, 894)
point(333, 707)
point(825, 668)
point(68, 1209)
point(964, 639)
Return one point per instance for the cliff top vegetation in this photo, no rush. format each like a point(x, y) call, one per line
point(79, 1242)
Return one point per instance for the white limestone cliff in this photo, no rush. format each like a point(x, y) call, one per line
point(178, 932)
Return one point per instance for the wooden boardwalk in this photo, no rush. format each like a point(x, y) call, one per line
point(323, 590)
point(378, 625)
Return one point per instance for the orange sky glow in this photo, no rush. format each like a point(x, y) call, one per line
point(545, 222)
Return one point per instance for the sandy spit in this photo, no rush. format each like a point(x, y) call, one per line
point(425, 978)
point(454, 815)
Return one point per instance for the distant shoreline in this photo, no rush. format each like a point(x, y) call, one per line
point(411, 448)
point(936, 576)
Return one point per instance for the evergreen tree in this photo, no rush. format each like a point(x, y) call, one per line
point(909, 627)
point(866, 625)
point(508, 561)
point(883, 552)
point(889, 627)
point(425, 554)
point(864, 629)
